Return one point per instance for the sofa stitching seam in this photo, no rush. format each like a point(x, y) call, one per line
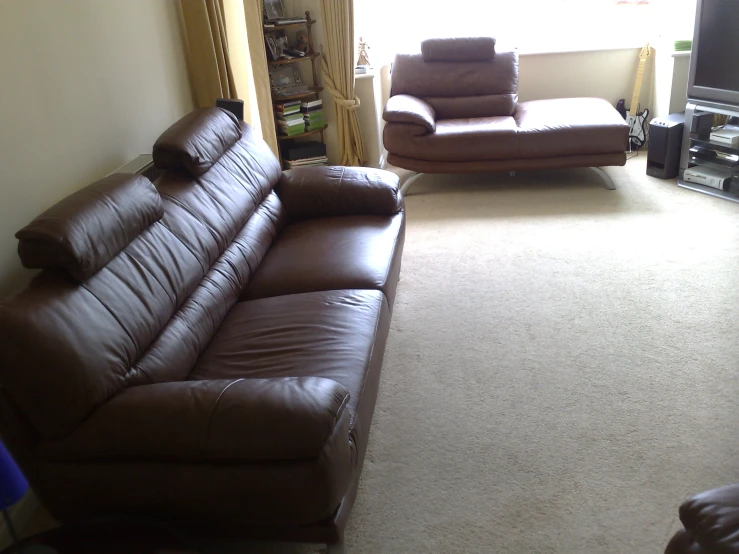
point(213, 413)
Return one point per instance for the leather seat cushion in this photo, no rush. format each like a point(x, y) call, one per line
point(481, 138)
point(339, 335)
point(538, 129)
point(569, 127)
point(351, 252)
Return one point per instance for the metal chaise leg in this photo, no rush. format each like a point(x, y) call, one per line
point(610, 185)
point(408, 182)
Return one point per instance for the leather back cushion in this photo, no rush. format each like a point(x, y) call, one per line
point(146, 315)
point(464, 49)
point(87, 229)
point(197, 141)
point(458, 90)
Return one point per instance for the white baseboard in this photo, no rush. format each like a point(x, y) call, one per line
point(20, 514)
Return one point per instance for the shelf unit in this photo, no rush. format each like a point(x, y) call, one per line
point(312, 91)
point(692, 143)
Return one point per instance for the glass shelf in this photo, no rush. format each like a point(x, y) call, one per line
point(705, 143)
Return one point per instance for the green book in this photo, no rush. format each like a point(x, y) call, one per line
point(292, 130)
point(315, 122)
point(289, 117)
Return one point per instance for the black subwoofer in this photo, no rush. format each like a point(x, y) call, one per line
point(665, 140)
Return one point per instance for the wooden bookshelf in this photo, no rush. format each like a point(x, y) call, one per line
point(312, 91)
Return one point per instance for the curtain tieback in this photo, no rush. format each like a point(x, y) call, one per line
point(339, 98)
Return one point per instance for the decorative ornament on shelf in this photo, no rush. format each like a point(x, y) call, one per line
point(301, 42)
point(363, 58)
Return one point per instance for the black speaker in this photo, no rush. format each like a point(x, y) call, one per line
point(702, 125)
point(665, 141)
point(236, 107)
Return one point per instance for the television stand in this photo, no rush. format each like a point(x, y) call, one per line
point(691, 144)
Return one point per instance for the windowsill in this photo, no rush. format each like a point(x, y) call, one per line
point(576, 49)
point(369, 75)
point(681, 54)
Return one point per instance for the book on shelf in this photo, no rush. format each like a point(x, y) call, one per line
point(291, 131)
point(296, 123)
point(286, 21)
point(308, 104)
point(288, 116)
point(314, 122)
point(307, 162)
point(309, 116)
point(291, 105)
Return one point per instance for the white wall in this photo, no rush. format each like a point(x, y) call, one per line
point(86, 85)
point(608, 74)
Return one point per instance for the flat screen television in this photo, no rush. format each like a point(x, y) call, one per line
point(714, 63)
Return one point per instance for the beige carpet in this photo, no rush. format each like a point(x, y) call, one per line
point(562, 369)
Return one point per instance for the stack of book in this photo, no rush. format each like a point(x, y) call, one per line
point(313, 114)
point(305, 154)
point(289, 118)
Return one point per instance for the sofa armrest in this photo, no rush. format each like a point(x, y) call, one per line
point(404, 108)
point(326, 191)
point(248, 420)
point(711, 519)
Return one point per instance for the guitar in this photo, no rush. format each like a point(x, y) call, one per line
point(636, 118)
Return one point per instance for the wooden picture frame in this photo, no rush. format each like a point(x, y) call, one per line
point(273, 9)
point(284, 78)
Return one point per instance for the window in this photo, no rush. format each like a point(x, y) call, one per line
point(391, 26)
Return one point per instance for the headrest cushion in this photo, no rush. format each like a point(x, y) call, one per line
point(477, 49)
point(83, 232)
point(197, 141)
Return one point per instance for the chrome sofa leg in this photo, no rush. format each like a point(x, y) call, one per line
point(335, 548)
point(408, 182)
point(610, 185)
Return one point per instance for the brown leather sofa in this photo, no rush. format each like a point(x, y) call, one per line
point(205, 351)
point(454, 109)
point(711, 521)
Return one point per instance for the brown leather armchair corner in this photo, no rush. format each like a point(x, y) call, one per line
point(454, 109)
point(711, 521)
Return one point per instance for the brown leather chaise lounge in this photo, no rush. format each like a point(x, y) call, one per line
point(205, 351)
point(454, 109)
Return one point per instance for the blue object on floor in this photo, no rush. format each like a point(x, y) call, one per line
point(13, 484)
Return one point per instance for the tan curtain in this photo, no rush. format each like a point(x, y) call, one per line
point(207, 51)
point(227, 58)
point(338, 76)
point(260, 91)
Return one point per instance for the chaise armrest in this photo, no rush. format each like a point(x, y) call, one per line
point(309, 192)
point(404, 108)
point(711, 521)
point(247, 420)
